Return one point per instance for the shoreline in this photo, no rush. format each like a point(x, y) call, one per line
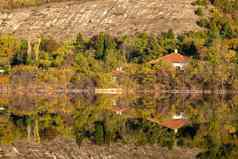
point(111, 91)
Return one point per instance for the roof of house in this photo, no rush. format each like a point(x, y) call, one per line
point(173, 58)
point(175, 123)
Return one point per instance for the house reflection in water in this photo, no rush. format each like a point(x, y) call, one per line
point(119, 106)
point(117, 73)
point(177, 122)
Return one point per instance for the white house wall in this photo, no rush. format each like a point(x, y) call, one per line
point(179, 65)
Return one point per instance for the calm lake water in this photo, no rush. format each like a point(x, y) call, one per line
point(192, 121)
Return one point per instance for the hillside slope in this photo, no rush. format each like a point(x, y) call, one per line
point(63, 20)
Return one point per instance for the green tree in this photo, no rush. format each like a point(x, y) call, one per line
point(9, 46)
point(99, 133)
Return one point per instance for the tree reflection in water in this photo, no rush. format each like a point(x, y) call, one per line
point(213, 124)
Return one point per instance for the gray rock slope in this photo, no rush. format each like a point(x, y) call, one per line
point(116, 17)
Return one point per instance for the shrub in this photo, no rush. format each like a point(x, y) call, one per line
point(199, 11)
point(201, 2)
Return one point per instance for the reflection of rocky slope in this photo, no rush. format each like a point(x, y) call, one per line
point(114, 16)
point(68, 149)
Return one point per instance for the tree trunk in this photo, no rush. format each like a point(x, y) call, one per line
point(29, 50)
point(29, 132)
point(36, 131)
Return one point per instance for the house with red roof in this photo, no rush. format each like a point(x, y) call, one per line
point(177, 60)
point(120, 110)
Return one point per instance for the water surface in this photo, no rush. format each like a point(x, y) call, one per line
point(211, 121)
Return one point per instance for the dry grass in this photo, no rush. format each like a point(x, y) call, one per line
point(12, 4)
point(64, 20)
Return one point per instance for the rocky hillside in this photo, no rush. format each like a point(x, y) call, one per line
point(68, 149)
point(65, 19)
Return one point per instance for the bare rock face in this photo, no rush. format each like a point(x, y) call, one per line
point(68, 149)
point(116, 17)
